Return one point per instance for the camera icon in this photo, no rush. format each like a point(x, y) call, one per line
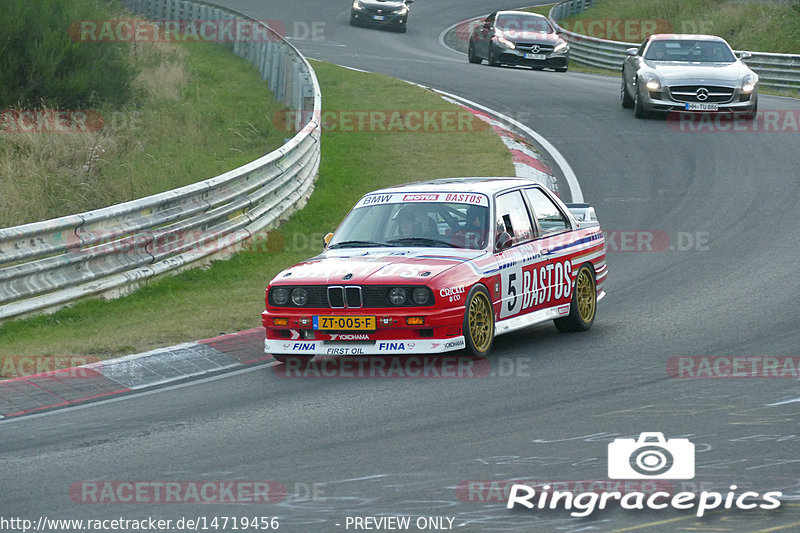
point(651, 457)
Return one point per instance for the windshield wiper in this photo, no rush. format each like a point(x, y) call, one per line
point(422, 241)
point(356, 244)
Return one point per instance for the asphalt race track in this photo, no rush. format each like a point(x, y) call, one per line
point(703, 234)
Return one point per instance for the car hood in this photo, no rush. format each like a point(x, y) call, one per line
point(377, 4)
point(376, 266)
point(689, 73)
point(518, 36)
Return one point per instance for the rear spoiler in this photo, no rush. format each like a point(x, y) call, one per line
point(584, 214)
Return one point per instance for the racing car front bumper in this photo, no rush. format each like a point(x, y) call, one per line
point(375, 347)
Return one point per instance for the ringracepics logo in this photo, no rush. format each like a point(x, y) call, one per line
point(651, 456)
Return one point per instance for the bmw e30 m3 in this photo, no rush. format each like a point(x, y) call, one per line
point(442, 265)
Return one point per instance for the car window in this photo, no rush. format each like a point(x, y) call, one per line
point(518, 22)
point(548, 215)
point(690, 50)
point(415, 223)
point(513, 218)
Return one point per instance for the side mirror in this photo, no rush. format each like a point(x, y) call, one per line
point(326, 240)
point(744, 55)
point(487, 25)
point(632, 51)
point(504, 241)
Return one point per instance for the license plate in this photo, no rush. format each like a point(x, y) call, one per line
point(700, 106)
point(378, 17)
point(345, 323)
point(538, 57)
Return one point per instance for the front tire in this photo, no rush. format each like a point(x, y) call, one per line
point(639, 110)
point(492, 59)
point(478, 321)
point(471, 56)
point(751, 115)
point(625, 96)
point(583, 307)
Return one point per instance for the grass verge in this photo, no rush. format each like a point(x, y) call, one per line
point(750, 25)
point(229, 296)
point(195, 115)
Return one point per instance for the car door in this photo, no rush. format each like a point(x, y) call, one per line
point(555, 240)
point(630, 67)
point(519, 263)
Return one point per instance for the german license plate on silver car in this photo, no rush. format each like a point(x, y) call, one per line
point(701, 106)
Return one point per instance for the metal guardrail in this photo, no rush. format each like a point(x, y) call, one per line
point(777, 71)
point(45, 265)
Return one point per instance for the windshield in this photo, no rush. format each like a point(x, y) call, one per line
point(430, 224)
point(522, 23)
point(690, 51)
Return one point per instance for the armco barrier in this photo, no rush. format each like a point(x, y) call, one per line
point(45, 265)
point(777, 71)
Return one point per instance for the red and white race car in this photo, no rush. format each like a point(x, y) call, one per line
point(441, 265)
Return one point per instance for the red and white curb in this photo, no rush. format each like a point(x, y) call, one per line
point(60, 388)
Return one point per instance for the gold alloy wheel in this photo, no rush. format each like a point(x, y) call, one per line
point(586, 295)
point(479, 321)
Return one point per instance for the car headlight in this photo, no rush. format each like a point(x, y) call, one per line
point(651, 82)
point(357, 5)
point(420, 295)
point(299, 296)
point(280, 295)
point(561, 48)
point(398, 296)
point(505, 43)
point(402, 11)
point(748, 84)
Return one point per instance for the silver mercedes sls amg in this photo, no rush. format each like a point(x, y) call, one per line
point(688, 73)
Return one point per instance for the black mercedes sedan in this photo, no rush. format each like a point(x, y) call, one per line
point(518, 38)
point(391, 14)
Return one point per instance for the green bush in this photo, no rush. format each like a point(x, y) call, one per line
point(41, 64)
